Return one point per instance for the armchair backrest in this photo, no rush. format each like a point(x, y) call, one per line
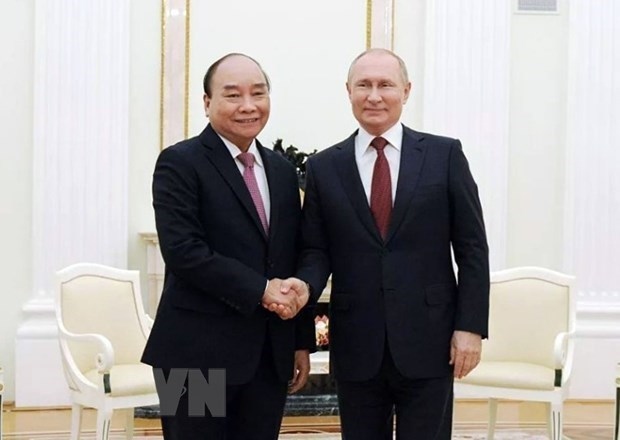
point(529, 307)
point(103, 300)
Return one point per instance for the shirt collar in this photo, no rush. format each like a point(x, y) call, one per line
point(394, 135)
point(235, 151)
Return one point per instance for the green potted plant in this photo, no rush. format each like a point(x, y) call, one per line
point(297, 158)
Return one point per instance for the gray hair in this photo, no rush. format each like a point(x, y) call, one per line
point(401, 63)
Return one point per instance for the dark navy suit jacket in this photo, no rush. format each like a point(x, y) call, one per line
point(218, 259)
point(403, 290)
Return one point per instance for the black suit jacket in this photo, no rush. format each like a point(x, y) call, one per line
point(218, 259)
point(403, 290)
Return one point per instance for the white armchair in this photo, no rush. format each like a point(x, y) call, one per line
point(529, 353)
point(102, 332)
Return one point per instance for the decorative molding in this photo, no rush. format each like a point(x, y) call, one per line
point(155, 270)
point(595, 317)
point(380, 24)
point(368, 24)
point(175, 51)
point(466, 95)
point(393, 24)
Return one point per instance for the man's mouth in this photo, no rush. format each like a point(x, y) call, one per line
point(247, 121)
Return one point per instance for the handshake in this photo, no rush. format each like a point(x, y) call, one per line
point(285, 297)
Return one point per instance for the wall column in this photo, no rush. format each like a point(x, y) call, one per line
point(592, 234)
point(80, 155)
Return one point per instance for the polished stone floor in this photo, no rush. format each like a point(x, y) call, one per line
point(510, 434)
point(517, 421)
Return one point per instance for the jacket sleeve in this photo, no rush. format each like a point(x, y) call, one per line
point(305, 337)
point(314, 265)
point(470, 247)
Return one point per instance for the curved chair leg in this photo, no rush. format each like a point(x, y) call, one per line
point(555, 421)
point(492, 418)
point(104, 419)
point(76, 421)
point(129, 423)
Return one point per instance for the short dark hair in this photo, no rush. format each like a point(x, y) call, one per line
point(208, 78)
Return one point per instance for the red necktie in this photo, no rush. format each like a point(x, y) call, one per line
point(381, 189)
point(247, 159)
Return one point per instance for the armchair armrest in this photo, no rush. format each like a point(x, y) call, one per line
point(105, 355)
point(559, 348)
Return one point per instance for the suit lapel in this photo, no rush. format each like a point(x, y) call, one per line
point(275, 182)
point(221, 159)
point(411, 161)
point(352, 184)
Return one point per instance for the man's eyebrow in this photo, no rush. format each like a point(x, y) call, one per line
point(235, 87)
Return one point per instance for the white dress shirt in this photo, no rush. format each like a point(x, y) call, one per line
point(365, 156)
point(259, 171)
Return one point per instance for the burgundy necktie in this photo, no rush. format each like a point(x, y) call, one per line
point(247, 159)
point(381, 189)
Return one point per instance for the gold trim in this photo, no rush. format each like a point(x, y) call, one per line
point(162, 74)
point(393, 25)
point(187, 23)
point(368, 23)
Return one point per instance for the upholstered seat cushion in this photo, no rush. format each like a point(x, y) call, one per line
point(127, 380)
point(511, 375)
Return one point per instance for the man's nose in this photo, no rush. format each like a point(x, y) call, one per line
point(248, 104)
point(374, 95)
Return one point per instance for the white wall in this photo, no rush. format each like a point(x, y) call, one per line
point(537, 140)
point(410, 44)
point(16, 35)
point(144, 105)
point(306, 55)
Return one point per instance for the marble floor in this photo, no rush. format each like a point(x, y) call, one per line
point(510, 434)
point(516, 420)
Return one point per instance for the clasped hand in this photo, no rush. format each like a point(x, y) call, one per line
point(285, 297)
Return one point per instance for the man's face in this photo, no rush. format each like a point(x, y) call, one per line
point(239, 106)
point(377, 91)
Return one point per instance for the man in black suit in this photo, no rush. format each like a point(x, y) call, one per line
point(382, 211)
point(227, 212)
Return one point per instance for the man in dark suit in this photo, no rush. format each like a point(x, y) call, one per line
point(227, 212)
point(382, 211)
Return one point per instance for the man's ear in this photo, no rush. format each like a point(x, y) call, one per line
point(207, 103)
point(407, 92)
